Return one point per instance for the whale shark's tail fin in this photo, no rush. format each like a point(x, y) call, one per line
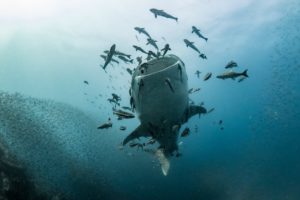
point(163, 160)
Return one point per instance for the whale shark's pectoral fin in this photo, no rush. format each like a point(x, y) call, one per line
point(193, 110)
point(140, 131)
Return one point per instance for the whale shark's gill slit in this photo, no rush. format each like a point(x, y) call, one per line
point(168, 81)
point(140, 85)
point(132, 104)
point(180, 72)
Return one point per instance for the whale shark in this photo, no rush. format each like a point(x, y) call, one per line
point(159, 95)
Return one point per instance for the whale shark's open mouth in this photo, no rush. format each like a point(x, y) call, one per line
point(157, 65)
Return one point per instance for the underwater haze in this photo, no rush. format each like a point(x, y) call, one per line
point(55, 97)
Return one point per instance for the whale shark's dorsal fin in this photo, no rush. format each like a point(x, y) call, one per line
point(140, 131)
point(163, 160)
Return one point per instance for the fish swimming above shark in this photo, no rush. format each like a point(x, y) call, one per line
point(152, 42)
point(191, 44)
point(203, 56)
point(151, 53)
point(197, 32)
point(160, 98)
point(231, 64)
point(112, 59)
point(198, 73)
point(139, 59)
point(162, 13)
point(142, 30)
point(109, 55)
point(119, 53)
point(137, 48)
point(126, 60)
point(232, 75)
point(166, 49)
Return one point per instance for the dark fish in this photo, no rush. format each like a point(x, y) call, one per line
point(203, 56)
point(207, 76)
point(220, 122)
point(122, 114)
point(151, 53)
point(232, 75)
point(152, 42)
point(113, 60)
point(142, 30)
point(197, 32)
point(162, 13)
point(168, 81)
point(122, 54)
point(191, 44)
point(190, 90)
point(198, 73)
point(137, 48)
point(122, 128)
point(86, 82)
point(231, 64)
point(116, 97)
point(125, 59)
point(185, 132)
point(109, 55)
point(106, 125)
point(139, 59)
point(196, 90)
point(166, 49)
point(113, 101)
point(119, 53)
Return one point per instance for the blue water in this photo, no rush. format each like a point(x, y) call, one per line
point(48, 116)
